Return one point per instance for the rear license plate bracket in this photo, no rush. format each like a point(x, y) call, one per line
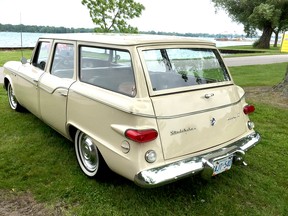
point(222, 165)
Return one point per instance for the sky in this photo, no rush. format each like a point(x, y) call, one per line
point(182, 16)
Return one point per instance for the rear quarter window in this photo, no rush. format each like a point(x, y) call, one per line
point(107, 68)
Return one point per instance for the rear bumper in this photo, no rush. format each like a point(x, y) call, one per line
point(203, 163)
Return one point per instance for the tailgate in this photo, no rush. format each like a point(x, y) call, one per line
point(194, 121)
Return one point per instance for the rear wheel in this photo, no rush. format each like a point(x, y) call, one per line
point(12, 99)
point(88, 155)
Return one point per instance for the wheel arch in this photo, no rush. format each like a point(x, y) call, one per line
point(103, 168)
point(72, 130)
point(6, 82)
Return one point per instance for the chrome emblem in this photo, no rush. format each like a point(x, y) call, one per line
point(213, 121)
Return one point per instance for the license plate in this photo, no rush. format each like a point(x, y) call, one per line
point(222, 165)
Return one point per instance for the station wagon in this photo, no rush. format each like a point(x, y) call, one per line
point(154, 109)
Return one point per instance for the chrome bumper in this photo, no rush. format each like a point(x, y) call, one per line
point(203, 163)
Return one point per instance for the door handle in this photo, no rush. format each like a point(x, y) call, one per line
point(63, 93)
point(207, 96)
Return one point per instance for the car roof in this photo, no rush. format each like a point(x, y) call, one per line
point(126, 39)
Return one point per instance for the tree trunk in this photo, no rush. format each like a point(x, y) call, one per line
point(283, 86)
point(285, 81)
point(264, 41)
point(276, 38)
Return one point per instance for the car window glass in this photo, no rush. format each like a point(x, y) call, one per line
point(107, 68)
point(63, 60)
point(182, 67)
point(41, 55)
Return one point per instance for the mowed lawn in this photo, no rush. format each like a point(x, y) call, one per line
point(36, 159)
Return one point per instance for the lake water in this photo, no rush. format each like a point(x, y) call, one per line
point(13, 39)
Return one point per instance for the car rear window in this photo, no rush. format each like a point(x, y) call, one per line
point(182, 67)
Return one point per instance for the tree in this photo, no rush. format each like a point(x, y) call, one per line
point(283, 24)
point(283, 85)
point(112, 15)
point(266, 15)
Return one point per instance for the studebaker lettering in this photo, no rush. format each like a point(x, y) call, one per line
point(185, 130)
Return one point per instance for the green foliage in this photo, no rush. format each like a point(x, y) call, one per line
point(112, 15)
point(265, 13)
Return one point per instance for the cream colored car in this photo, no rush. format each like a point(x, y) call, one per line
point(154, 109)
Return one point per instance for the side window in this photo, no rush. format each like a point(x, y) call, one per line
point(63, 61)
point(42, 54)
point(107, 68)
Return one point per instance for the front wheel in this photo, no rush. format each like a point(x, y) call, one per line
point(14, 104)
point(88, 155)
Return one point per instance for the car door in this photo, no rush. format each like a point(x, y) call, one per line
point(55, 83)
point(29, 75)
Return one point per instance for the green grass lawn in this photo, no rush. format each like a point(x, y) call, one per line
point(35, 158)
point(260, 75)
point(13, 55)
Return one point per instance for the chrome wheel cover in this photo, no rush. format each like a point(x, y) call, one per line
point(11, 96)
point(88, 154)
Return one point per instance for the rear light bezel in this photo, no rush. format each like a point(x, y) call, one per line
point(151, 156)
point(141, 136)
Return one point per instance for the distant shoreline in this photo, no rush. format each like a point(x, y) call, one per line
point(15, 48)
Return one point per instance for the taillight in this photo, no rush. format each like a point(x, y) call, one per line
point(248, 109)
point(141, 136)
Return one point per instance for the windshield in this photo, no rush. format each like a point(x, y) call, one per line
point(182, 67)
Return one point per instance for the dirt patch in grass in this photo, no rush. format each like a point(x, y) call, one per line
point(15, 204)
point(267, 95)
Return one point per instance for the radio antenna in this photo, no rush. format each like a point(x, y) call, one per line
point(21, 35)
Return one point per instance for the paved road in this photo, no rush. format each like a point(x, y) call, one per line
point(236, 61)
point(254, 60)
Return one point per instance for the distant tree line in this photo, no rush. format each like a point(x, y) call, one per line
point(41, 29)
point(50, 29)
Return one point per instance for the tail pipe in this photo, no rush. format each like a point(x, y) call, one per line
point(238, 157)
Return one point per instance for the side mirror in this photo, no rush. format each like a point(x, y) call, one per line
point(23, 60)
